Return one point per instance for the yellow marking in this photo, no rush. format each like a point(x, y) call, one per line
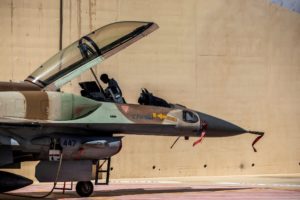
point(163, 116)
point(174, 119)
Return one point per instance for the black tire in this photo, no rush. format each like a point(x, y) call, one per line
point(84, 188)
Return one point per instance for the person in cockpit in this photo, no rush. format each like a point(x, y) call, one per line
point(113, 91)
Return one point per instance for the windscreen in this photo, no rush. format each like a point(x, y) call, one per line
point(86, 50)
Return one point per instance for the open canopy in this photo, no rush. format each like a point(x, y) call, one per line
point(87, 52)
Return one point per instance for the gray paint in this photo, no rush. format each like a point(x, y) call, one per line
point(6, 156)
point(46, 171)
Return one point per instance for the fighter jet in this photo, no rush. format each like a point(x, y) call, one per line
point(69, 133)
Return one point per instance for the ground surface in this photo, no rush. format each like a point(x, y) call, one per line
point(217, 188)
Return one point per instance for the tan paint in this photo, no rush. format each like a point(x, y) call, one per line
point(37, 105)
point(236, 59)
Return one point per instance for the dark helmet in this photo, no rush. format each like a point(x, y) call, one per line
point(104, 78)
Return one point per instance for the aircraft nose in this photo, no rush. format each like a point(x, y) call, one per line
point(218, 127)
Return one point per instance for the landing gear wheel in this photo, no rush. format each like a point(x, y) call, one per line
point(84, 188)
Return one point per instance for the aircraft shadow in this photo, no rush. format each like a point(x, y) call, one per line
point(123, 192)
point(118, 192)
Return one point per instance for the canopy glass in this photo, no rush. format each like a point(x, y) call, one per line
point(89, 51)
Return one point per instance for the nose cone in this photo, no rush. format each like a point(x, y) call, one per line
point(220, 128)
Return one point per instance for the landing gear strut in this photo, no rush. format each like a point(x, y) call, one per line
point(84, 188)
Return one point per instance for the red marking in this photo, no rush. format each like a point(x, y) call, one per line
point(125, 108)
point(200, 139)
point(80, 152)
point(255, 141)
point(203, 129)
point(78, 110)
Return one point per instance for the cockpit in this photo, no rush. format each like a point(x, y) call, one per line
point(92, 49)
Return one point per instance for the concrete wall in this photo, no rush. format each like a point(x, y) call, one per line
point(235, 59)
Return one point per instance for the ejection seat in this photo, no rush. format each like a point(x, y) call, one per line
point(91, 90)
point(147, 98)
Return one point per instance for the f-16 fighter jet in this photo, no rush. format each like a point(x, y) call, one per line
point(68, 133)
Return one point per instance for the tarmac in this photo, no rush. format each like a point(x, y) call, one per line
point(186, 188)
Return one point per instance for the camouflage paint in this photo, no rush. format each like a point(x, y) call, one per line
point(70, 108)
point(37, 105)
point(60, 108)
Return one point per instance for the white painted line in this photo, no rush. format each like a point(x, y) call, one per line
point(260, 184)
point(144, 182)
